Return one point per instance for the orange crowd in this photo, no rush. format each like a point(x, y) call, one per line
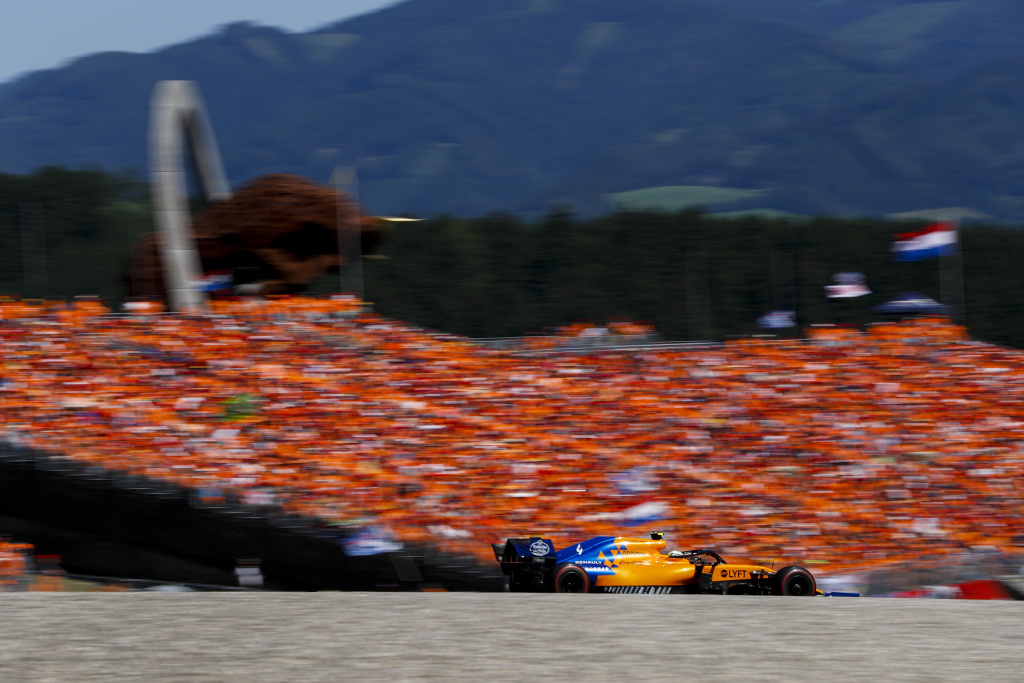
point(850, 447)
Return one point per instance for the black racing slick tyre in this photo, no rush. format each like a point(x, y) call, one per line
point(569, 578)
point(794, 581)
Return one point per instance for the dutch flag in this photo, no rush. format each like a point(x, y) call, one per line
point(214, 282)
point(937, 239)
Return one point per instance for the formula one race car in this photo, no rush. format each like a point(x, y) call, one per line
point(608, 564)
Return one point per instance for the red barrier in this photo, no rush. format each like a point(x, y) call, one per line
point(980, 589)
point(984, 589)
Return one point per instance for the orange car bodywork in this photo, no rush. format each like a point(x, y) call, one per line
point(645, 562)
point(607, 564)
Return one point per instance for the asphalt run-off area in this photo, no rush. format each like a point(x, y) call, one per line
point(331, 636)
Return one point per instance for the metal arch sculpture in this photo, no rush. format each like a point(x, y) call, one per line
point(177, 116)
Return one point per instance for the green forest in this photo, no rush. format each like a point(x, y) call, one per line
point(690, 274)
point(64, 233)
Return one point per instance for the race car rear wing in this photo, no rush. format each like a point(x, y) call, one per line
point(519, 550)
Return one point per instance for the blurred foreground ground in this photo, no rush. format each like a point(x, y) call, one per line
point(467, 637)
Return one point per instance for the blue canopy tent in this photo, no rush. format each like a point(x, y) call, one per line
point(912, 303)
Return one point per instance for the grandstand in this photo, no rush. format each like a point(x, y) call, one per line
point(847, 449)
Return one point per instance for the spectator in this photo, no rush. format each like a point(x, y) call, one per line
point(852, 447)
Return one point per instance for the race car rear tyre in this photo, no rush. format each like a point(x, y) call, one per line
point(794, 581)
point(569, 578)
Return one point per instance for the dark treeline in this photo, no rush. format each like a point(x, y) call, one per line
point(691, 275)
point(65, 233)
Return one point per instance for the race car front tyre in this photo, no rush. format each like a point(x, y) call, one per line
point(569, 578)
point(794, 581)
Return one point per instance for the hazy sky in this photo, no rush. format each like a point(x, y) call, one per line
point(41, 34)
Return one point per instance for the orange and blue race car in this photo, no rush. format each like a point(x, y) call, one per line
point(610, 564)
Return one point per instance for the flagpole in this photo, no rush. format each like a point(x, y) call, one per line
point(944, 295)
point(963, 284)
point(351, 267)
point(951, 268)
point(336, 182)
point(775, 302)
point(940, 239)
point(357, 258)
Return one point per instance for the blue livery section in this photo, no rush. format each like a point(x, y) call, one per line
point(591, 555)
point(586, 550)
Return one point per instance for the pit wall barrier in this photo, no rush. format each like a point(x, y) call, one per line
point(982, 589)
point(978, 575)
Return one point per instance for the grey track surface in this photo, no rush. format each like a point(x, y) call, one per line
point(506, 637)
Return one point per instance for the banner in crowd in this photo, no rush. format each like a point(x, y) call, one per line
point(777, 320)
point(847, 286)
